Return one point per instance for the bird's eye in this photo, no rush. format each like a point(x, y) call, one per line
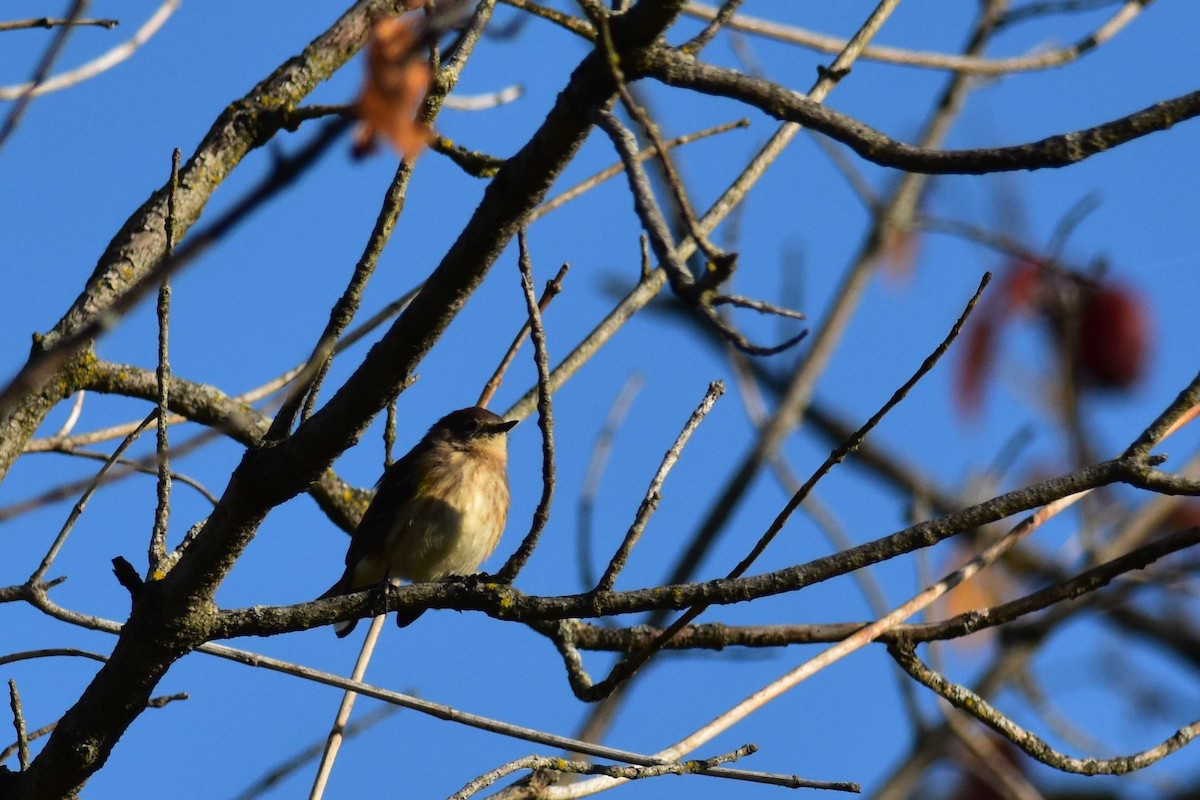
point(473, 427)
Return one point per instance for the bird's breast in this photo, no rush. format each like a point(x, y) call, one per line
point(455, 520)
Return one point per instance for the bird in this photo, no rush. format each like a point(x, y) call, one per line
point(438, 511)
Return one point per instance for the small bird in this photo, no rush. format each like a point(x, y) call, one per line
point(438, 511)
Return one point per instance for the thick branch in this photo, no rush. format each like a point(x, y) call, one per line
point(505, 602)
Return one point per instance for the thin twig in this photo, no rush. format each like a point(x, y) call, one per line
point(53, 22)
point(653, 491)
point(302, 396)
point(50, 652)
point(694, 293)
point(537, 332)
point(389, 432)
point(795, 398)
point(871, 632)
point(334, 742)
point(485, 101)
point(72, 418)
point(850, 445)
point(162, 376)
point(287, 767)
point(97, 65)
point(717, 636)
point(591, 481)
point(14, 701)
point(965, 700)
point(630, 665)
point(670, 175)
point(143, 466)
point(287, 170)
point(81, 503)
point(25, 92)
point(553, 287)
point(46, 730)
point(718, 21)
point(624, 772)
point(645, 154)
point(963, 64)
point(574, 24)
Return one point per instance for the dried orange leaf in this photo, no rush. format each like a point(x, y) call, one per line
point(397, 81)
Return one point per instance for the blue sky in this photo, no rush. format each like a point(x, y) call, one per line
point(83, 159)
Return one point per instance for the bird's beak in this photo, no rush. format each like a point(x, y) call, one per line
point(506, 426)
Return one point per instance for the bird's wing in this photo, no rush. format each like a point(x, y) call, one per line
point(394, 491)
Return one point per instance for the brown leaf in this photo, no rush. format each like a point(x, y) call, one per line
point(397, 80)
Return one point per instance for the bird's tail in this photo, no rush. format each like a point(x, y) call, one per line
point(345, 627)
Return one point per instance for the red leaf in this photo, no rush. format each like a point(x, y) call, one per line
point(1022, 285)
point(1114, 337)
point(975, 365)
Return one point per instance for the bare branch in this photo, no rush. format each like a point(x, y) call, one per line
point(97, 65)
point(965, 700)
point(968, 64)
point(1060, 150)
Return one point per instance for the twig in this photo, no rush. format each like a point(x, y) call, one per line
point(694, 293)
point(653, 496)
point(483, 102)
point(850, 445)
point(553, 287)
point(651, 284)
point(574, 24)
point(871, 632)
point(287, 767)
point(1182, 410)
point(475, 163)
point(823, 517)
point(81, 503)
point(162, 375)
point(24, 93)
point(97, 65)
point(46, 730)
point(624, 669)
point(308, 382)
point(53, 22)
point(72, 418)
point(716, 636)
point(287, 170)
point(629, 773)
point(144, 466)
point(591, 481)
point(337, 732)
point(964, 699)
point(964, 64)
point(40, 600)
point(1052, 152)
point(645, 154)
point(541, 514)
point(760, 306)
point(719, 20)
point(50, 652)
point(32, 736)
point(795, 398)
point(14, 701)
point(670, 176)
point(437, 709)
point(389, 432)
